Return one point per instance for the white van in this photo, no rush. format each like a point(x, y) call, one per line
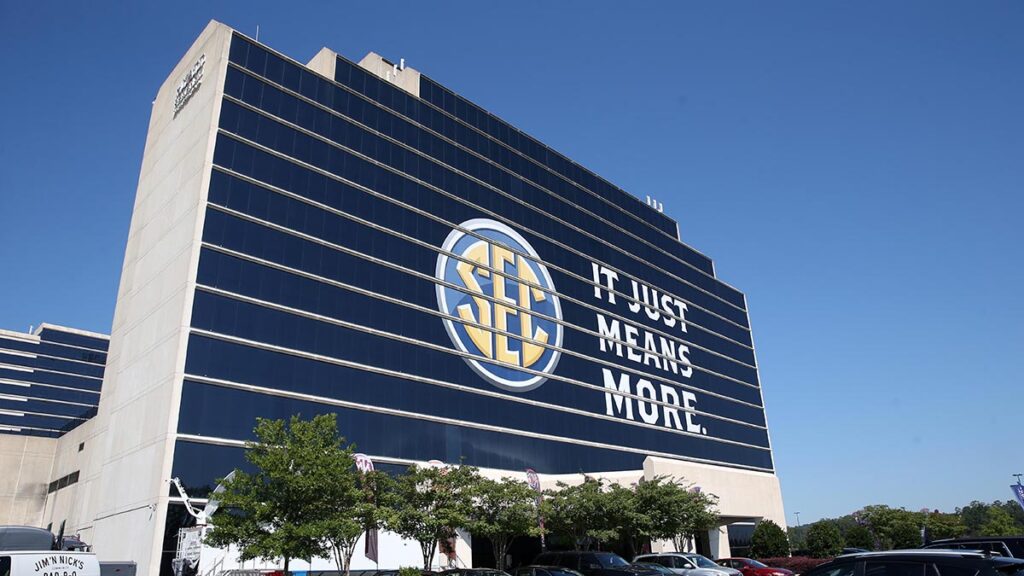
point(48, 563)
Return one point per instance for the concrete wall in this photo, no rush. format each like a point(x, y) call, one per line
point(25, 467)
point(121, 504)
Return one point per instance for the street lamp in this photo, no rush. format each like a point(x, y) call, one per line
point(797, 519)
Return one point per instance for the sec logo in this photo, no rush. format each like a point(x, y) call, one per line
point(517, 336)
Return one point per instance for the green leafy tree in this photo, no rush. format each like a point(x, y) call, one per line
point(363, 505)
point(503, 510)
point(944, 525)
point(580, 513)
point(769, 540)
point(698, 512)
point(904, 534)
point(999, 523)
point(429, 504)
point(1015, 511)
point(278, 510)
point(974, 516)
point(824, 539)
point(858, 536)
point(651, 510)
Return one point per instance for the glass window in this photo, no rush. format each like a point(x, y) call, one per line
point(832, 569)
point(894, 569)
point(952, 570)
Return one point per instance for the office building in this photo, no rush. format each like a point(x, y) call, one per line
point(357, 239)
point(50, 380)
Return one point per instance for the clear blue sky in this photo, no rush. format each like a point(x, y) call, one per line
point(855, 167)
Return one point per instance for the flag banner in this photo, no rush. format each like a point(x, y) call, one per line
point(534, 481)
point(1018, 491)
point(371, 546)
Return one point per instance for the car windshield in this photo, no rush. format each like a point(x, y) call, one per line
point(609, 560)
point(756, 564)
point(653, 566)
point(702, 561)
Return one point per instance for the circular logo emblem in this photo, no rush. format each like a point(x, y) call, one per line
point(498, 304)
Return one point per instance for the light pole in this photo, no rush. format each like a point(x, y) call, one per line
point(797, 519)
point(1018, 478)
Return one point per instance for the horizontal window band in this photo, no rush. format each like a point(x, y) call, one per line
point(5, 412)
point(19, 428)
point(461, 423)
point(404, 270)
point(32, 341)
point(375, 458)
point(50, 356)
point(490, 269)
point(661, 379)
point(27, 384)
point(489, 212)
point(479, 391)
point(41, 399)
point(47, 370)
point(480, 157)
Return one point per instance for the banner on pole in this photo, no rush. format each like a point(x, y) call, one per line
point(1018, 491)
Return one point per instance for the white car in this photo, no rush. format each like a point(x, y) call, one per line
point(687, 564)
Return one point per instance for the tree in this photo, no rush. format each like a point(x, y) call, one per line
point(348, 514)
point(277, 511)
point(944, 525)
point(698, 512)
point(503, 510)
point(974, 515)
point(904, 534)
point(999, 523)
point(580, 513)
point(858, 536)
point(824, 539)
point(651, 510)
point(429, 504)
point(769, 541)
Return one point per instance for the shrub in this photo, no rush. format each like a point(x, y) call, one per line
point(798, 564)
point(824, 539)
point(769, 541)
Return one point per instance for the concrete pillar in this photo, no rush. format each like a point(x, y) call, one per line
point(718, 538)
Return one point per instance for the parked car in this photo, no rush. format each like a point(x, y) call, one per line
point(687, 564)
point(474, 572)
point(751, 567)
point(1009, 546)
point(920, 563)
point(534, 570)
point(592, 563)
point(665, 570)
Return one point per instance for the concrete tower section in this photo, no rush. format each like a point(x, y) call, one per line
point(124, 492)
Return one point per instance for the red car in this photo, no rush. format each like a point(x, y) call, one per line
point(751, 567)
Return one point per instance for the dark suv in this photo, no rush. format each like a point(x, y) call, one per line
point(920, 563)
point(1009, 546)
point(593, 563)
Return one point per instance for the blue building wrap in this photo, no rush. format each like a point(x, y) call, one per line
point(451, 288)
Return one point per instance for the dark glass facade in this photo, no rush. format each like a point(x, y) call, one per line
point(330, 206)
point(49, 381)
